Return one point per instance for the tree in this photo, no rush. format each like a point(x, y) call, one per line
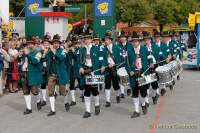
point(164, 11)
point(16, 7)
point(133, 11)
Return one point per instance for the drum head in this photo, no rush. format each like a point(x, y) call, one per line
point(162, 69)
point(122, 72)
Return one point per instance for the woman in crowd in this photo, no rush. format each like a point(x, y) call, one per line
point(14, 67)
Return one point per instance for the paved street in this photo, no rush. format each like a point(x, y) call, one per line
point(176, 112)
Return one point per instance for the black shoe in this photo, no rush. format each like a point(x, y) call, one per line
point(155, 99)
point(178, 77)
point(128, 92)
point(144, 109)
point(72, 103)
point(43, 103)
point(51, 113)
point(147, 104)
point(67, 107)
point(118, 99)
point(87, 115)
point(135, 114)
point(122, 96)
point(39, 105)
point(97, 110)
point(27, 111)
point(163, 91)
point(107, 104)
point(171, 87)
point(55, 95)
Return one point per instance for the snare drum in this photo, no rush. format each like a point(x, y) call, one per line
point(123, 75)
point(94, 79)
point(164, 74)
point(147, 79)
point(176, 67)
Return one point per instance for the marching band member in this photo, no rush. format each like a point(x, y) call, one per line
point(111, 77)
point(57, 73)
point(171, 55)
point(90, 62)
point(74, 60)
point(32, 75)
point(123, 45)
point(136, 64)
point(162, 52)
point(101, 52)
point(45, 45)
point(180, 48)
point(152, 54)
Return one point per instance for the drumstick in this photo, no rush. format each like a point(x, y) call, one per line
point(149, 67)
point(107, 67)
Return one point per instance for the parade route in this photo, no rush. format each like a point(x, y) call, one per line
point(177, 112)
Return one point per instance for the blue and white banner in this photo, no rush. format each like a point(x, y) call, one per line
point(32, 7)
point(103, 7)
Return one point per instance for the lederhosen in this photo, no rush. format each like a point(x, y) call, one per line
point(111, 77)
point(53, 76)
point(89, 89)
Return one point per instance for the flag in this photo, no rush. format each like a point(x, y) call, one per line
point(4, 10)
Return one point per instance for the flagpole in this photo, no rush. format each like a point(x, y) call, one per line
point(1, 86)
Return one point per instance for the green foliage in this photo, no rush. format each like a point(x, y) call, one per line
point(135, 11)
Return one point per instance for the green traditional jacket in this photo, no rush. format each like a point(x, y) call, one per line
point(115, 53)
point(123, 51)
point(60, 65)
point(35, 68)
point(94, 55)
point(180, 48)
point(130, 64)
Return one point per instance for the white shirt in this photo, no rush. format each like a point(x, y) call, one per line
point(137, 50)
point(110, 59)
point(25, 65)
point(110, 46)
point(158, 43)
point(88, 61)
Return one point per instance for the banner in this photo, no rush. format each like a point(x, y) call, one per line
point(32, 7)
point(103, 8)
point(4, 10)
point(190, 57)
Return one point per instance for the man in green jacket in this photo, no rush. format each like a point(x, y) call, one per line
point(89, 63)
point(153, 54)
point(180, 48)
point(124, 45)
point(111, 77)
point(57, 73)
point(33, 76)
point(136, 64)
